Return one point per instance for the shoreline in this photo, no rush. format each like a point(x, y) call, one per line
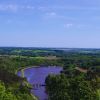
point(34, 67)
point(24, 68)
point(23, 76)
point(22, 71)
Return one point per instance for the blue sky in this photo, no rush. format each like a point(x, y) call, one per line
point(50, 23)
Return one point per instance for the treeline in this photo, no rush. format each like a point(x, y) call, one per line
point(13, 87)
point(13, 63)
point(14, 92)
point(70, 85)
point(73, 85)
point(34, 52)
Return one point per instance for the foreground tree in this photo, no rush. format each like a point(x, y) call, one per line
point(59, 87)
point(6, 95)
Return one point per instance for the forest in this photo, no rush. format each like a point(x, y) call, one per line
point(79, 79)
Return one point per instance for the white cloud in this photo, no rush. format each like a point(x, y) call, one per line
point(30, 7)
point(76, 8)
point(48, 15)
point(9, 7)
point(42, 8)
point(27, 7)
point(14, 7)
point(68, 7)
point(68, 25)
point(51, 14)
point(77, 25)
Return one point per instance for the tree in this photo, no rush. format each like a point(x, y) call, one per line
point(6, 95)
point(57, 87)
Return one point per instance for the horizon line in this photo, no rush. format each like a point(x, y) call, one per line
point(49, 47)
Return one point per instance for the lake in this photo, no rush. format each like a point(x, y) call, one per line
point(36, 76)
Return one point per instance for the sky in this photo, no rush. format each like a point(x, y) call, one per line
point(50, 23)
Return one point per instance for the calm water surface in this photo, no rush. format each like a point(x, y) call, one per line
point(36, 76)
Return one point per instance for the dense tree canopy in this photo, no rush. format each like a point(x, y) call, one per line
point(59, 87)
point(72, 84)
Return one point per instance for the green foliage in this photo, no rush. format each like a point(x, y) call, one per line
point(5, 94)
point(60, 87)
point(14, 93)
point(57, 87)
point(71, 85)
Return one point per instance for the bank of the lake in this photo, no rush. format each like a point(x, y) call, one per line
point(25, 68)
point(36, 77)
